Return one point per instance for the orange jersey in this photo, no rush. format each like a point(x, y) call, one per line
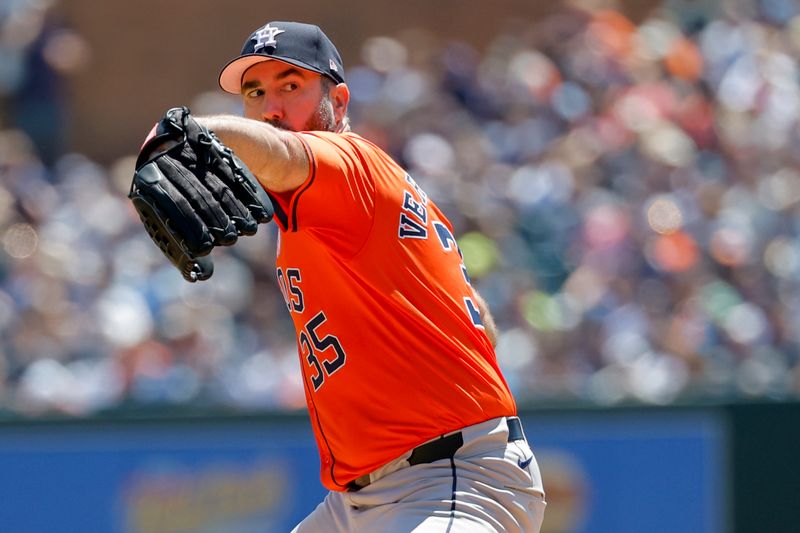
point(391, 345)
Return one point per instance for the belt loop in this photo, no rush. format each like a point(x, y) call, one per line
point(515, 431)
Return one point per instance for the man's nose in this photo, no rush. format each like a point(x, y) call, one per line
point(273, 110)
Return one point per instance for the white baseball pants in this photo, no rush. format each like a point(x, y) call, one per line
point(490, 485)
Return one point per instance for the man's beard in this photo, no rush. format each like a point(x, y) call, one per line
point(322, 119)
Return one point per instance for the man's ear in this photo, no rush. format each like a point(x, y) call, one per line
point(340, 98)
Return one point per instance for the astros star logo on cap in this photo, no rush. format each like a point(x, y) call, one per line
point(266, 37)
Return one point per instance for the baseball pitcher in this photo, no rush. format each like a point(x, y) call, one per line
point(415, 424)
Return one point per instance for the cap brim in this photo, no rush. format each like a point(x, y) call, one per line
point(230, 78)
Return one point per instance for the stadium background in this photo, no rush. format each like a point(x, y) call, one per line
point(623, 179)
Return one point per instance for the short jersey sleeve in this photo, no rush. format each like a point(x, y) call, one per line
point(336, 202)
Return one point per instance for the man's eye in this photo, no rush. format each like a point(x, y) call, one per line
point(255, 93)
point(289, 87)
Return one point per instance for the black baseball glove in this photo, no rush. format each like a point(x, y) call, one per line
point(192, 193)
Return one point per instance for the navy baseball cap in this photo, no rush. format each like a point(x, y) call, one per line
point(296, 43)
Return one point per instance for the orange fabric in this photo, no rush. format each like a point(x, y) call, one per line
point(390, 355)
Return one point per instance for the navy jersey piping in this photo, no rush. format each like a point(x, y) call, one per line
point(280, 214)
point(322, 432)
point(296, 199)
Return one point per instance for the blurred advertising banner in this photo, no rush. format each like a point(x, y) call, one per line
point(633, 471)
point(654, 471)
point(205, 476)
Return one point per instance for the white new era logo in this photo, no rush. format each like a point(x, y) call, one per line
point(266, 37)
point(333, 65)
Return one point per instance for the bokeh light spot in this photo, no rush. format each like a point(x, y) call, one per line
point(480, 253)
point(664, 215)
point(20, 241)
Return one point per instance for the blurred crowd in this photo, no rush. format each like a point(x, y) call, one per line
point(626, 196)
